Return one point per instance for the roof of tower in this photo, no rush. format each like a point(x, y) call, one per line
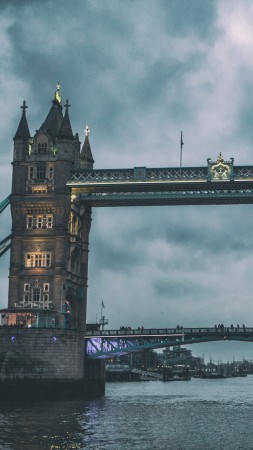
point(66, 129)
point(54, 119)
point(23, 129)
point(86, 154)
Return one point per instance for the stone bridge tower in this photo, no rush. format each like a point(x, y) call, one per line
point(50, 232)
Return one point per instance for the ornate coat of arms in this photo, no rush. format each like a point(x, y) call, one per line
point(220, 170)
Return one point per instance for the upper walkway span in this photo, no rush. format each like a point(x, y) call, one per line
point(220, 182)
point(109, 343)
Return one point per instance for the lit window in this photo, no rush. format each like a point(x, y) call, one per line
point(29, 221)
point(39, 221)
point(26, 287)
point(46, 287)
point(29, 260)
point(38, 260)
point(47, 260)
point(49, 221)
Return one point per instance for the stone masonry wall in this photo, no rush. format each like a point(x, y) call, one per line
point(33, 353)
point(38, 363)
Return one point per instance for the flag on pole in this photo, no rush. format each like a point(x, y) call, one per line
point(103, 306)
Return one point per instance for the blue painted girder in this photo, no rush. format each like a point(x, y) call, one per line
point(110, 343)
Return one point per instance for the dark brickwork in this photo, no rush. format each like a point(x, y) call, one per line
point(37, 362)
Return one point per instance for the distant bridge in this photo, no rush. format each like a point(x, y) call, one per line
point(110, 343)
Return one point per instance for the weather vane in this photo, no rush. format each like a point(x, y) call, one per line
point(57, 95)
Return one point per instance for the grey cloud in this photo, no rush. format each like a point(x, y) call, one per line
point(184, 16)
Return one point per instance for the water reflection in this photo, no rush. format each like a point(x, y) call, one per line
point(210, 414)
point(40, 426)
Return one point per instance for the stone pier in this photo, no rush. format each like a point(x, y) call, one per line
point(47, 364)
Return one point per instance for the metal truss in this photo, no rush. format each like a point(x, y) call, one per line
point(138, 173)
point(218, 183)
point(153, 174)
point(99, 348)
point(173, 197)
point(110, 343)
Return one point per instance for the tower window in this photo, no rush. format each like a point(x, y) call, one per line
point(39, 221)
point(26, 298)
point(49, 221)
point(26, 287)
point(36, 295)
point(41, 172)
point(38, 260)
point(29, 221)
point(51, 172)
point(30, 172)
point(46, 287)
point(42, 148)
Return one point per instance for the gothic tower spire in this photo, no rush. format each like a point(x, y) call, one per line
point(86, 158)
point(53, 121)
point(22, 132)
point(66, 129)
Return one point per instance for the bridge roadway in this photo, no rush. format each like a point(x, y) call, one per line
point(141, 186)
point(109, 343)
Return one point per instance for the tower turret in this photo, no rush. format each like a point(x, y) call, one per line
point(86, 158)
point(22, 136)
point(53, 121)
point(65, 131)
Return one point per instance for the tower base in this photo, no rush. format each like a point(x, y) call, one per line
point(47, 364)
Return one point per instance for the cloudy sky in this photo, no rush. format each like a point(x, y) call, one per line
point(138, 72)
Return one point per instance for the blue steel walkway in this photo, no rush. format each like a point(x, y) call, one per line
point(109, 343)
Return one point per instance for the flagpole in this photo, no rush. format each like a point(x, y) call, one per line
point(101, 310)
point(181, 153)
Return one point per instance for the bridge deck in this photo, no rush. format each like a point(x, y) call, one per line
point(142, 186)
point(109, 343)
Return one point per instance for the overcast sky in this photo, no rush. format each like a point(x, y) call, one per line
point(138, 72)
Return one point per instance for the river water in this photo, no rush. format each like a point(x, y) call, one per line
point(183, 415)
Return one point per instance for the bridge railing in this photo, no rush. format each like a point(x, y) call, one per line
point(167, 331)
point(134, 332)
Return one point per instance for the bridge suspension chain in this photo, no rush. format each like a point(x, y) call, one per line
point(6, 242)
point(4, 203)
point(5, 245)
